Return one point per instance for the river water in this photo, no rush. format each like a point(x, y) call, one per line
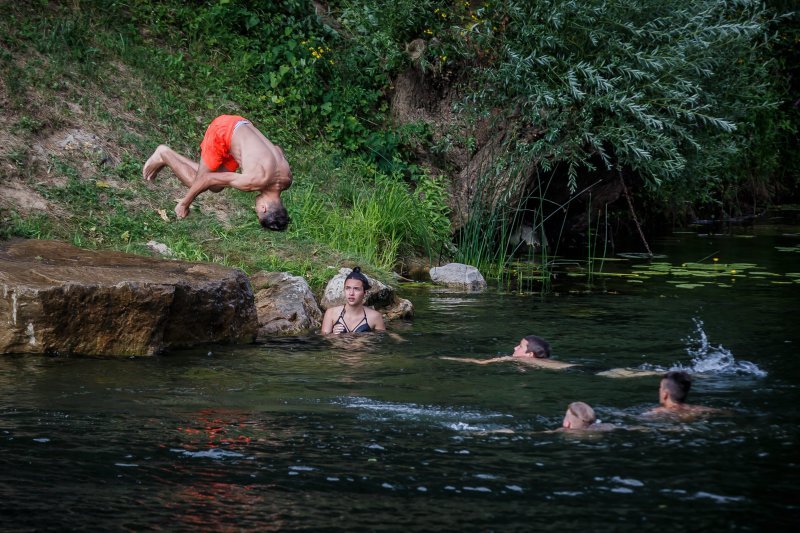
point(379, 433)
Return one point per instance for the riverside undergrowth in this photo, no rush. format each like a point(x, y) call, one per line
point(682, 100)
point(123, 78)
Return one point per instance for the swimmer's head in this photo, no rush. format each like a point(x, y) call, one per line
point(357, 275)
point(675, 385)
point(271, 213)
point(579, 416)
point(538, 346)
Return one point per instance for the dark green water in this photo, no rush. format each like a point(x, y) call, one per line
point(378, 432)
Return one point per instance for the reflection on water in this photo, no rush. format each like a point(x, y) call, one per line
point(450, 417)
point(378, 432)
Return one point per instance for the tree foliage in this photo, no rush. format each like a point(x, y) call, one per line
point(679, 92)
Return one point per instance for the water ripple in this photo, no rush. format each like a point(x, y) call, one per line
point(213, 453)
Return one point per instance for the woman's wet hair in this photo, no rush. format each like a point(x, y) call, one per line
point(275, 219)
point(678, 383)
point(356, 274)
point(539, 346)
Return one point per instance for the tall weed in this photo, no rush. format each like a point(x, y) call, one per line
point(377, 220)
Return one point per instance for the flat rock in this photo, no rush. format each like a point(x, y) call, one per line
point(59, 299)
point(458, 275)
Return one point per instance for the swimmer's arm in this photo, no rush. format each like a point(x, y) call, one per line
point(628, 373)
point(327, 322)
point(656, 411)
point(543, 363)
point(480, 361)
point(376, 320)
point(503, 431)
point(396, 337)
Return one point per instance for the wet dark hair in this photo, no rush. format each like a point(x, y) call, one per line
point(275, 219)
point(539, 347)
point(356, 274)
point(677, 384)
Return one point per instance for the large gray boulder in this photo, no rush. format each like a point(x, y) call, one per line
point(59, 299)
point(380, 296)
point(458, 275)
point(285, 304)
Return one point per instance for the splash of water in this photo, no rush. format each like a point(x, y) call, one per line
point(709, 359)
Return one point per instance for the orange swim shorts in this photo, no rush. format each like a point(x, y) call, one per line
point(215, 150)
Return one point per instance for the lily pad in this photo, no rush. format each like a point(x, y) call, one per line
point(707, 266)
point(639, 255)
point(660, 266)
point(704, 274)
point(741, 266)
point(650, 273)
point(688, 285)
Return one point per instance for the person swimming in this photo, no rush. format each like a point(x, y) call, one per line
point(353, 316)
point(581, 416)
point(531, 350)
point(535, 352)
point(672, 393)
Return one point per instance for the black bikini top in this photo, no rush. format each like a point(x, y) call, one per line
point(361, 327)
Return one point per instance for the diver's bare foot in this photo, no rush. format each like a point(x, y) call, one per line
point(153, 165)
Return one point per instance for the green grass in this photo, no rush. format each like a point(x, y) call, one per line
point(374, 218)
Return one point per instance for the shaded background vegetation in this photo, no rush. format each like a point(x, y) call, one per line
point(686, 108)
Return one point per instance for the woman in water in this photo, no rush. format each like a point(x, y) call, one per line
point(353, 316)
point(531, 350)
